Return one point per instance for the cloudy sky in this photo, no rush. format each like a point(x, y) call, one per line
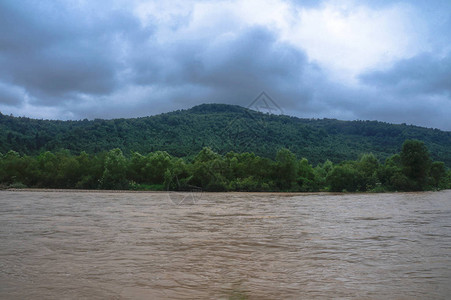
point(386, 60)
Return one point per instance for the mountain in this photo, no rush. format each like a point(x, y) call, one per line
point(224, 128)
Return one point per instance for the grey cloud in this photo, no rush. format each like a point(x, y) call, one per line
point(20, 25)
point(413, 91)
point(347, 103)
point(424, 74)
point(11, 95)
point(416, 110)
point(58, 73)
point(231, 71)
point(235, 71)
point(63, 52)
point(93, 61)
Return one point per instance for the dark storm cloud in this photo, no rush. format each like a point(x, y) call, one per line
point(10, 95)
point(422, 74)
point(253, 61)
point(92, 60)
point(415, 90)
point(228, 70)
point(57, 50)
point(57, 53)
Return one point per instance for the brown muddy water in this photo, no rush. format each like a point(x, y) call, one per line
point(66, 245)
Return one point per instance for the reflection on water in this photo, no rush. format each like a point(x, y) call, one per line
point(229, 246)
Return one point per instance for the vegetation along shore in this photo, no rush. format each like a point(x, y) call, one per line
point(411, 169)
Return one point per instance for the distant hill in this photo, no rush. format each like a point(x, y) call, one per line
point(224, 128)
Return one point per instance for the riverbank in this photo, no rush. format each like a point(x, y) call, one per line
point(77, 190)
point(46, 190)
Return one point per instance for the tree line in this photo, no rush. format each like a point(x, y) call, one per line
point(412, 169)
point(224, 128)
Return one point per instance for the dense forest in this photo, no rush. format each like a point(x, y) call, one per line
point(222, 128)
point(411, 169)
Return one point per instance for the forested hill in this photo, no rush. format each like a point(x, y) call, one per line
point(224, 128)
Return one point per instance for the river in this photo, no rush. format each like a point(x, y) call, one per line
point(89, 245)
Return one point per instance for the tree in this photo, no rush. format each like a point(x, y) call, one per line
point(321, 173)
point(136, 168)
point(176, 178)
point(156, 164)
point(90, 170)
point(48, 168)
point(114, 174)
point(306, 176)
point(344, 178)
point(208, 171)
point(285, 169)
point(368, 166)
point(415, 162)
point(68, 170)
point(438, 174)
point(385, 172)
point(15, 169)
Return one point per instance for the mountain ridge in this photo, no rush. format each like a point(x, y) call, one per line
point(224, 128)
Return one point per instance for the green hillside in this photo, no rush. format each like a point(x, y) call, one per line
point(224, 128)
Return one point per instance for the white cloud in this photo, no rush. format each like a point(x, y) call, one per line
point(345, 37)
point(348, 38)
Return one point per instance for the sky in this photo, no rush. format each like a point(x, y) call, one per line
point(385, 60)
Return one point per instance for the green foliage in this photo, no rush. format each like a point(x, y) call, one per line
point(223, 128)
point(368, 167)
point(321, 172)
point(211, 171)
point(416, 163)
point(438, 175)
point(286, 169)
point(344, 178)
point(114, 174)
point(156, 164)
point(306, 177)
